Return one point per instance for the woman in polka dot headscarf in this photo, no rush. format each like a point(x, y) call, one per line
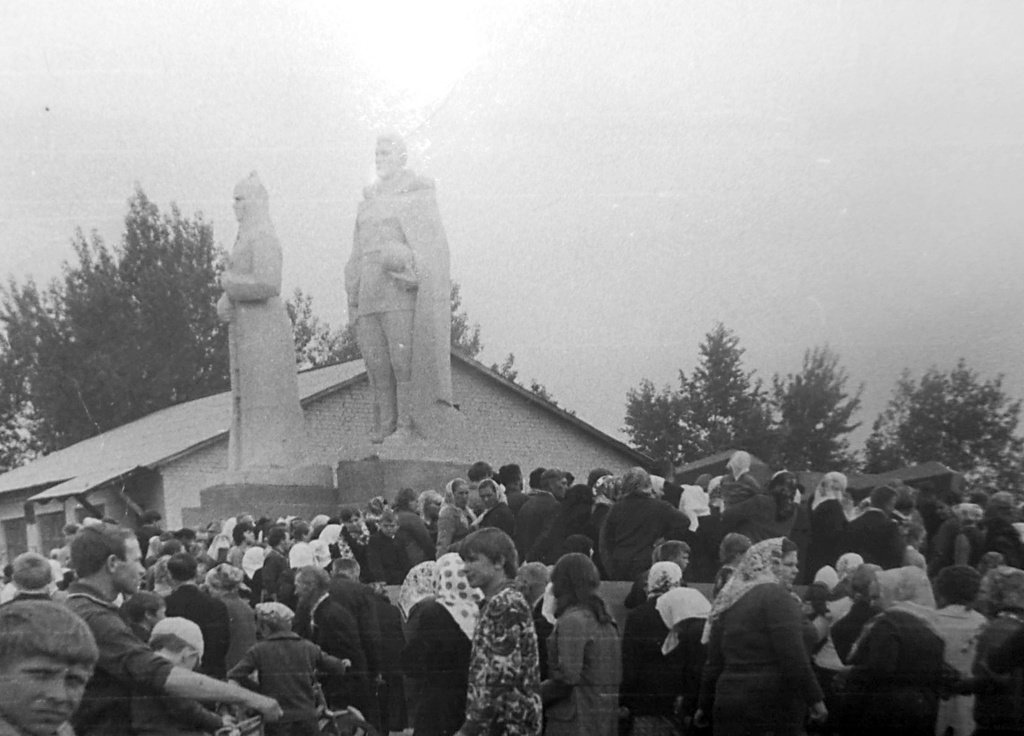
point(436, 659)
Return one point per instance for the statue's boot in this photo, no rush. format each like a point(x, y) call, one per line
point(384, 417)
point(403, 424)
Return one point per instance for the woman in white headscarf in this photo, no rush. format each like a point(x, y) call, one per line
point(651, 677)
point(439, 633)
point(758, 675)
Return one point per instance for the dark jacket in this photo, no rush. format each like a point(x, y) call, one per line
point(274, 565)
point(211, 615)
point(287, 665)
point(828, 532)
point(126, 665)
point(437, 657)
point(413, 533)
point(165, 715)
point(500, 517)
point(999, 667)
point(334, 629)
point(357, 599)
point(756, 518)
point(391, 693)
point(651, 681)
point(876, 538)
point(537, 527)
point(631, 529)
point(387, 559)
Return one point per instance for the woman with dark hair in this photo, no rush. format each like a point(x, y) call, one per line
point(765, 515)
point(582, 694)
point(758, 676)
point(504, 680)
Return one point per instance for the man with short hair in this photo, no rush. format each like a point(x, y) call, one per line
point(874, 535)
point(275, 564)
point(31, 578)
point(107, 560)
point(47, 655)
point(478, 471)
point(244, 536)
point(536, 528)
point(511, 477)
point(345, 589)
point(210, 614)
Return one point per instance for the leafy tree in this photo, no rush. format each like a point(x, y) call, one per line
point(316, 344)
point(126, 331)
point(719, 406)
point(956, 418)
point(815, 414)
point(465, 337)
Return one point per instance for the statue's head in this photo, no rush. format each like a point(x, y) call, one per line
point(248, 192)
point(391, 155)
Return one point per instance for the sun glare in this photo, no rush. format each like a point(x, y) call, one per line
point(417, 50)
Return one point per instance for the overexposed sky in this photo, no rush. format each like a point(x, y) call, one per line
point(614, 177)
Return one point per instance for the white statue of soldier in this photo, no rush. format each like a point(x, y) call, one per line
point(398, 285)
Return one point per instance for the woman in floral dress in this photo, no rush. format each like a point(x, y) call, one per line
point(504, 676)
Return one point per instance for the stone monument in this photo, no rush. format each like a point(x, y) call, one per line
point(399, 299)
point(399, 292)
point(266, 468)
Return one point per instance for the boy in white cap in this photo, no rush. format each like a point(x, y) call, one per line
point(180, 642)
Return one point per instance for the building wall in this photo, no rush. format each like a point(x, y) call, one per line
point(500, 427)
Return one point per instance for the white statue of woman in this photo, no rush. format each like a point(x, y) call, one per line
point(267, 424)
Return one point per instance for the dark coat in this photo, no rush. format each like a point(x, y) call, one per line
point(631, 529)
point(651, 681)
point(876, 538)
point(500, 517)
point(391, 694)
point(412, 532)
point(758, 675)
point(437, 657)
point(387, 559)
point(756, 519)
point(537, 529)
point(357, 599)
point(828, 532)
point(335, 631)
point(211, 615)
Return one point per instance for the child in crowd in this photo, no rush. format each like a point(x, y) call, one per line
point(180, 642)
point(287, 667)
point(47, 655)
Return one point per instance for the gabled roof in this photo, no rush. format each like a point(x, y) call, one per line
point(166, 435)
point(160, 437)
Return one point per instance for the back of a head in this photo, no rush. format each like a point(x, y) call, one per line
point(405, 500)
point(883, 496)
point(478, 471)
point(137, 605)
point(167, 630)
point(276, 535)
point(550, 477)
point(38, 628)
point(580, 543)
point(535, 476)
point(32, 572)
point(1000, 506)
point(93, 546)
point(835, 481)
point(317, 577)
point(346, 567)
point(239, 531)
point(635, 481)
point(575, 581)
point(734, 545)
point(958, 585)
point(862, 578)
point(509, 475)
point(739, 463)
point(578, 495)
point(182, 567)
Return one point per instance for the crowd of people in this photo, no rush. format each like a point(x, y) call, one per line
point(625, 604)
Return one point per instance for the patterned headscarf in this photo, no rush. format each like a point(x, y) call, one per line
point(757, 566)
point(828, 577)
point(662, 577)
point(1001, 588)
point(452, 590)
point(277, 613)
point(968, 513)
point(225, 578)
point(417, 586)
point(678, 605)
point(906, 588)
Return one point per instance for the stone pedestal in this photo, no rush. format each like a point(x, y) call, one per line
point(275, 492)
point(382, 470)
